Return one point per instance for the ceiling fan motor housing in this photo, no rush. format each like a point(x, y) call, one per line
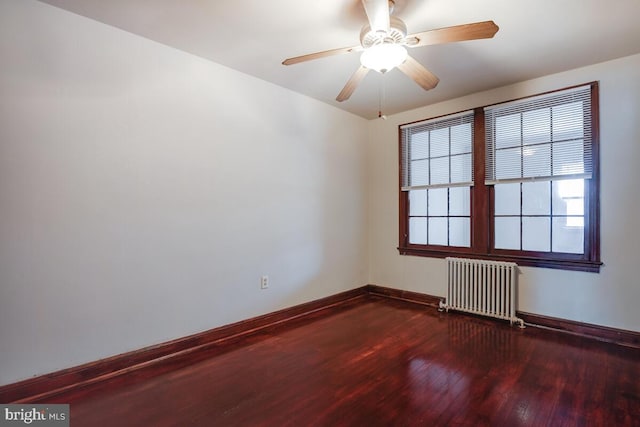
point(394, 35)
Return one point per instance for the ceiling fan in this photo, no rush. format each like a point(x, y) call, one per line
point(383, 41)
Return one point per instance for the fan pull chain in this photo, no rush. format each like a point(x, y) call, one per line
point(381, 96)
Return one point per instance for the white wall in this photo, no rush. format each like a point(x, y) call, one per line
point(609, 298)
point(144, 191)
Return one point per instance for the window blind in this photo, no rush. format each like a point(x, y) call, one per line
point(437, 153)
point(547, 137)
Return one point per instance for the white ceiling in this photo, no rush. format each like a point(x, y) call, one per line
point(536, 38)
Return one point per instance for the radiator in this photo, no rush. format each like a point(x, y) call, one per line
point(487, 288)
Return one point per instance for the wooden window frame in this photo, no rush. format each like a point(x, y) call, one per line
point(482, 196)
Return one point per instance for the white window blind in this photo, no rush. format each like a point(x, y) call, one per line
point(547, 137)
point(437, 153)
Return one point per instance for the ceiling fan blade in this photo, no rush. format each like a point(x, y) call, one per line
point(378, 14)
point(425, 78)
point(318, 55)
point(351, 85)
point(457, 33)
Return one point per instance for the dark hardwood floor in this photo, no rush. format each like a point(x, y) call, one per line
point(380, 362)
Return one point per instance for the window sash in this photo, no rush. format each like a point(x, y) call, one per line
point(417, 169)
point(542, 138)
point(440, 212)
point(523, 204)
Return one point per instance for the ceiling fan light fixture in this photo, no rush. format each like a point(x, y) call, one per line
point(383, 57)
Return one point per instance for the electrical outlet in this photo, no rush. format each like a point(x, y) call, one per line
point(264, 282)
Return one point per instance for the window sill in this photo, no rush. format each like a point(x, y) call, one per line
point(522, 260)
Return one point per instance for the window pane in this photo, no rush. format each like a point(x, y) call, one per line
point(459, 201)
point(507, 233)
point(439, 142)
point(568, 197)
point(419, 148)
point(419, 172)
point(568, 121)
point(536, 234)
point(536, 198)
point(418, 203)
point(537, 161)
point(418, 231)
point(567, 238)
point(438, 204)
point(461, 138)
point(508, 163)
point(575, 221)
point(461, 168)
point(460, 232)
point(536, 126)
point(438, 231)
point(507, 199)
point(440, 170)
point(507, 130)
point(568, 157)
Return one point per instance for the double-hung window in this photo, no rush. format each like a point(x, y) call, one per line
point(437, 159)
point(513, 181)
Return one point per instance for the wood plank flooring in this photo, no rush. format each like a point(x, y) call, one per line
point(382, 363)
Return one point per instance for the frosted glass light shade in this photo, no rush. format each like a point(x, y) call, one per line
point(383, 57)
